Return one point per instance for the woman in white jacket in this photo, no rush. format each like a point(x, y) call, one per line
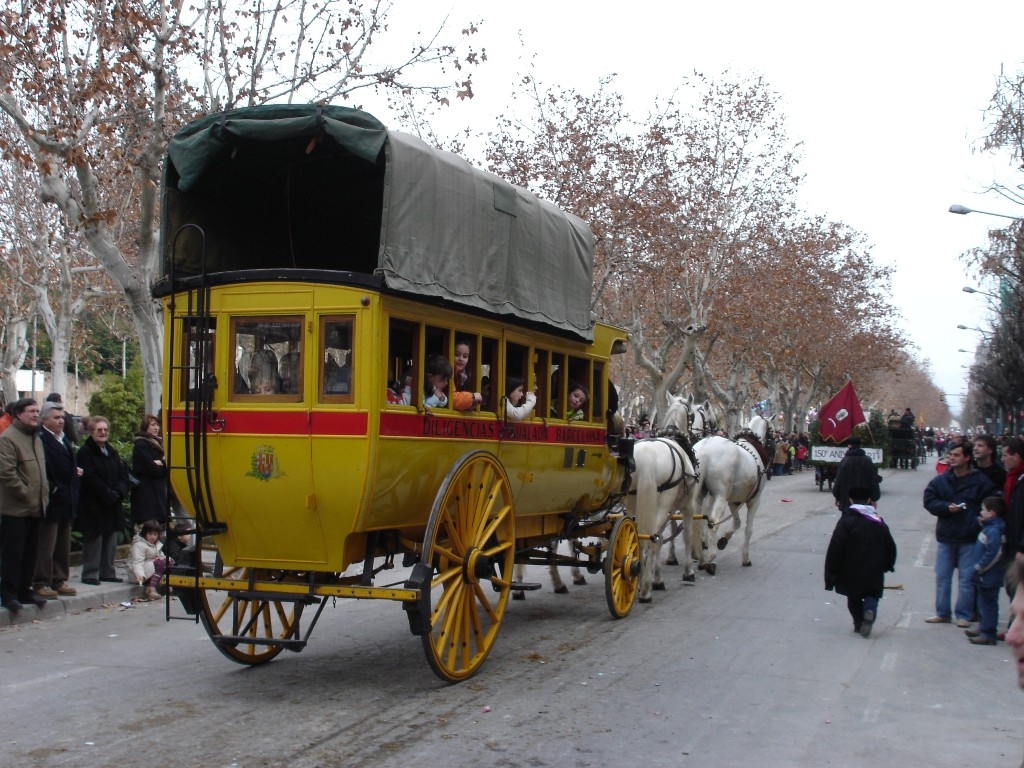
point(519, 405)
point(146, 559)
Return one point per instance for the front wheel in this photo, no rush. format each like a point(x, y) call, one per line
point(622, 567)
point(470, 544)
point(254, 620)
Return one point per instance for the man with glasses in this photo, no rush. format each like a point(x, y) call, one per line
point(23, 494)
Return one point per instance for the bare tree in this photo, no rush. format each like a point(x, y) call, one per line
point(95, 88)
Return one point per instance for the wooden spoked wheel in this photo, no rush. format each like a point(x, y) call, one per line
point(622, 567)
point(257, 619)
point(470, 543)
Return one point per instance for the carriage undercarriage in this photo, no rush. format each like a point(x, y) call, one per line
point(469, 543)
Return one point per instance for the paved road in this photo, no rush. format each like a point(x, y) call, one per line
point(755, 666)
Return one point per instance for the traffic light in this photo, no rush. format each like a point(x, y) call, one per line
point(942, 397)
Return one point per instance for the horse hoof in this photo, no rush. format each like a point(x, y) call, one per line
point(722, 543)
point(710, 569)
point(671, 561)
point(562, 590)
point(690, 577)
point(659, 586)
point(578, 580)
point(518, 595)
point(644, 599)
point(747, 564)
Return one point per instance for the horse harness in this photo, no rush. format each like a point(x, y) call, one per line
point(750, 443)
point(677, 445)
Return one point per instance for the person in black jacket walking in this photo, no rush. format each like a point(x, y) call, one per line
point(856, 470)
point(859, 555)
point(104, 488)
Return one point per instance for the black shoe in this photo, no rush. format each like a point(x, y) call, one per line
point(35, 600)
point(865, 626)
point(13, 605)
point(93, 582)
point(972, 633)
point(114, 579)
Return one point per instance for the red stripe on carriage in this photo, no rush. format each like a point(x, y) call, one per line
point(284, 423)
point(462, 428)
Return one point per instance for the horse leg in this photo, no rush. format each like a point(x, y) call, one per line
point(723, 542)
point(556, 578)
point(577, 575)
point(673, 532)
point(752, 506)
point(518, 574)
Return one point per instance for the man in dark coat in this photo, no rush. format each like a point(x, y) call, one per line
point(859, 555)
point(53, 553)
point(855, 470)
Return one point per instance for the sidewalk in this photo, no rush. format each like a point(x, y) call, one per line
point(88, 597)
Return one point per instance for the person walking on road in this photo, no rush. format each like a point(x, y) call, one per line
point(954, 498)
point(856, 470)
point(23, 494)
point(859, 555)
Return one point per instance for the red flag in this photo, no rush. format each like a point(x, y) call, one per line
point(840, 415)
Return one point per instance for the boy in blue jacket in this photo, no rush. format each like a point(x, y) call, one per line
point(989, 565)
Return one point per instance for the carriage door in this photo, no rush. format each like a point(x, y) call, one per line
point(264, 447)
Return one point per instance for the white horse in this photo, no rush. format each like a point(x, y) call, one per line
point(665, 480)
point(703, 423)
point(732, 475)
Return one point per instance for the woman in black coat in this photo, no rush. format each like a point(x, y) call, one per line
point(149, 496)
point(104, 486)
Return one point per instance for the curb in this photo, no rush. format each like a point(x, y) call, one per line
point(89, 597)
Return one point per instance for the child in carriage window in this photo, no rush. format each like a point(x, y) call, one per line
point(463, 396)
point(400, 390)
point(438, 372)
point(578, 396)
point(518, 403)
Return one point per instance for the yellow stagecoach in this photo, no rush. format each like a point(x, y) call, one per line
point(315, 264)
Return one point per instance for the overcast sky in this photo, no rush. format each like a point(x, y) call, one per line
point(887, 98)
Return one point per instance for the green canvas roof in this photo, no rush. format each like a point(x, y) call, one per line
point(427, 221)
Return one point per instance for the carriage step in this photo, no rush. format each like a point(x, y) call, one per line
point(277, 597)
point(525, 586)
point(290, 644)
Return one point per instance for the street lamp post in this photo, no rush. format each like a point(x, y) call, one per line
point(963, 210)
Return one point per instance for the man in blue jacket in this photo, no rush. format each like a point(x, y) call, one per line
point(955, 497)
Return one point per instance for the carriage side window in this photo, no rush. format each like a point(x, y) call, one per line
point(579, 391)
point(597, 392)
point(473, 359)
point(336, 359)
point(545, 395)
point(198, 339)
point(556, 385)
point(489, 388)
point(268, 358)
point(403, 356)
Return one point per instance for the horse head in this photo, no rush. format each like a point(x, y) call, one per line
point(679, 416)
point(759, 427)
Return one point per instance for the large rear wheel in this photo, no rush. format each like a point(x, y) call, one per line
point(258, 619)
point(470, 543)
point(622, 567)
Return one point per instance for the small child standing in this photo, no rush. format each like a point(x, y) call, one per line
point(146, 560)
point(861, 551)
point(989, 566)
